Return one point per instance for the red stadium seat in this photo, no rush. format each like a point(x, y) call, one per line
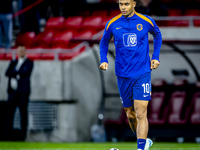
point(114, 12)
point(175, 23)
point(156, 113)
point(92, 22)
point(104, 21)
point(178, 23)
point(176, 106)
point(118, 121)
point(158, 85)
point(174, 12)
point(197, 85)
point(61, 40)
point(84, 35)
point(180, 84)
point(2, 56)
point(195, 107)
point(192, 12)
point(44, 39)
point(54, 24)
point(27, 39)
point(73, 23)
point(5, 56)
point(197, 23)
point(158, 82)
point(100, 13)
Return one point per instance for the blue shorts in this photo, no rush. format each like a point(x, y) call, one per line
point(136, 88)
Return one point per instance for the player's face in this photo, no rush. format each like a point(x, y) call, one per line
point(127, 7)
point(21, 51)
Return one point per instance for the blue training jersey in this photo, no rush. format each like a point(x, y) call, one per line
point(131, 43)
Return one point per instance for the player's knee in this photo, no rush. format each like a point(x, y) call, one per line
point(141, 115)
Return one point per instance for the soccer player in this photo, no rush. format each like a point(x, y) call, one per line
point(132, 64)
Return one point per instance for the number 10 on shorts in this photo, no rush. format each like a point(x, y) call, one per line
point(146, 87)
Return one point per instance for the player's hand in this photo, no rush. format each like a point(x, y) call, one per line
point(103, 66)
point(154, 64)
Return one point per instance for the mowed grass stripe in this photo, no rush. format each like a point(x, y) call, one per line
point(94, 146)
point(100, 149)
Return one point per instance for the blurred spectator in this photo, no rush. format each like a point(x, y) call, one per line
point(55, 7)
point(68, 10)
point(152, 8)
point(29, 20)
point(18, 72)
point(6, 23)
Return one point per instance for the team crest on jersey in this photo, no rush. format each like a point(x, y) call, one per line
point(139, 27)
point(130, 39)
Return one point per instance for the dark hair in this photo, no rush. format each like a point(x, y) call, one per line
point(138, 3)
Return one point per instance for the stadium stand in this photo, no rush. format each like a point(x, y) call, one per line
point(180, 84)
point(5, 56)
point(27, 39)
point(44, 39)
point(174, 12)
point(54, 24)
point(176, 113)
point(195, 107)
point(192, 12)
point(197, 86)
point(197, 23)
point(158, 85)
point(73, 23)
point(157, 112)
point(114, 12)
point(86, 34)
point(100, 13)
point(118, 122)
point(62, 39)
point(92, 22)
point(67, 56)
point(34, 56)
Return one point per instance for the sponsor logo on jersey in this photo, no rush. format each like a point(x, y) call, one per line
point(130, 39)
point(139, 27)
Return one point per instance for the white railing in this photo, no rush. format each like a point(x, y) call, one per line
point(176, 18)
point(55, 51)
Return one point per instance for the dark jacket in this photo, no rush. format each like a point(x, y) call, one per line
point(24, 72)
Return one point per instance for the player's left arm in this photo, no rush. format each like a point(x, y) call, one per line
point(157, 41)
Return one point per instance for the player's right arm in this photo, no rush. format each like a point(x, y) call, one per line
point(11, 72)
point(104, 43)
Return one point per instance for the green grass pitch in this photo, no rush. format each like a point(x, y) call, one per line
point(94, 146)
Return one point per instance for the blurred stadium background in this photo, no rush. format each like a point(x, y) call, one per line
point(69, 94)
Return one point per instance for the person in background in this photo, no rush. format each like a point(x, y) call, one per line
point(6, 23)
point(18, 72)
point(29, 20)
point(152, 8)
